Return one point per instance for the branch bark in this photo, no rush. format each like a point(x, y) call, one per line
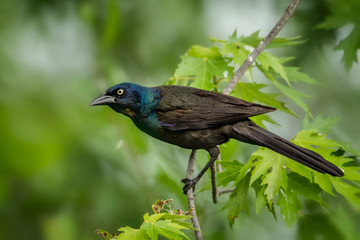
point(262, 45)
point(236, 78)
point(191, 198)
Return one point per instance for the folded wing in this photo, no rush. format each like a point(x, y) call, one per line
point(184, 108)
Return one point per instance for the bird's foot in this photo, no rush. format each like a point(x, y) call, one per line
point(189, 183)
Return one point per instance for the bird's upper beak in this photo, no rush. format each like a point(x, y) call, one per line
point(103, 100)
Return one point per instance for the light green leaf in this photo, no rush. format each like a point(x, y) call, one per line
point(204, 52)
point(289, 92)
point(203, 69)
point(299, 169)
point(294, 75)
point(237, 50)
point(351, 193)
point(284, 42)
point(289, 205)
point(153, 218)
point(270, 165)
point(253, 40)
point(252, 92)
point(319, 123)
point(165, 228)
point(293, 95)
point(132, 234)
point(268, 61)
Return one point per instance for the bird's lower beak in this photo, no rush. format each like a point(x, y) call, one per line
point(102, 100)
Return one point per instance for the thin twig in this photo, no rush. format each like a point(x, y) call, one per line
point(223, 191)
point(190, 196)
point(262, 45)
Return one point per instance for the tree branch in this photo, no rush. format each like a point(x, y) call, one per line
point(262, 45)
point(191, 198)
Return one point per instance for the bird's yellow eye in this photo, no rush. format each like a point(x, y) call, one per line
point(120, 91)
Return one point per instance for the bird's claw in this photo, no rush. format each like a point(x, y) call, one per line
point(189, 183)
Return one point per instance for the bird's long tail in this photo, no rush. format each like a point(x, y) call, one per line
point(248, 131)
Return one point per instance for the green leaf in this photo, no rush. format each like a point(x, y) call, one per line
point(261, 200)
point(319, 123)
point(289, 206)
point(129, 233)
point(252, 92)
point(284, 42)
point(165, 228)
point(238, 200)
point(350, 46)
point(303, 186)
point(204, 64)
point(345, 12)
point(237, 50)
point(268, 61)
point(153, 218)
point(351, 193)
point(230, 174)
point(312, 140)
point(294, 75)
point(289, 92)
point(253, 40)
point(204, 52)
point(269, 166)
point(293, 95)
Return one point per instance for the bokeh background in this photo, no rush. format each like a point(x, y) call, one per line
point(67, 169)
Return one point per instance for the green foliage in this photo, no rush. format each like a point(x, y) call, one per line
point(282, 180)
point(212, 67)
point(345, 12)
point(167, 224)
point(276, 180)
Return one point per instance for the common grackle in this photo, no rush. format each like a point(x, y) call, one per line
point(198, 119)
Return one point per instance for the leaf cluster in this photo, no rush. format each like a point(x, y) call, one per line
point(163, 222)
point(277, 180)
point(344, 13)
point(211, 68)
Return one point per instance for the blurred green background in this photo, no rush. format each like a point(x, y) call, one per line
point(67, 169)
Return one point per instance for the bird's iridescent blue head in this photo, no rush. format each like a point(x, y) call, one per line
point(129, 98)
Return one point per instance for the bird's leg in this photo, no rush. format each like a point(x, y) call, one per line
point(213, 183)
point(190, 183)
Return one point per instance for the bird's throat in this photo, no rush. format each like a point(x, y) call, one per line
point(130, 113)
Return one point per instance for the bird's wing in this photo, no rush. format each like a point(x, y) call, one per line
point(192, 109)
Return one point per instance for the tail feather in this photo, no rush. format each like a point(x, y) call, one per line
point(248, 131)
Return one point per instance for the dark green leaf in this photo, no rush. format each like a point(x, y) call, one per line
point(238, 200)
point(350, 46)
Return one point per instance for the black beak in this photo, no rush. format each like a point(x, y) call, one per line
point(103, 100)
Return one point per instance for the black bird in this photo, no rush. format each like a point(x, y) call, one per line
point(197, 119)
